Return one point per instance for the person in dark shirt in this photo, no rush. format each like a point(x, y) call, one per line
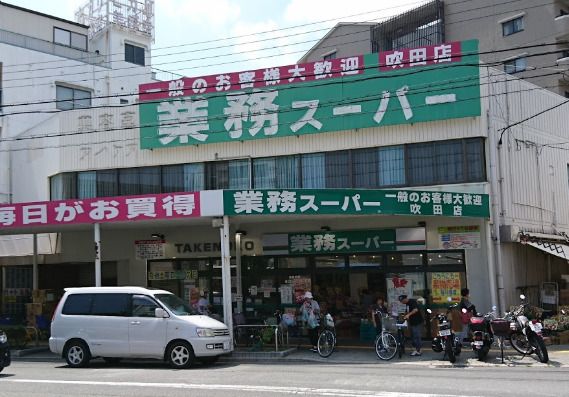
point(377, 311)
point(415, 319)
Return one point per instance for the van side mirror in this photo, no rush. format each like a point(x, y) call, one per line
point(160, 313)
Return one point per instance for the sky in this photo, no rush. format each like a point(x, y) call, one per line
point(240, 27)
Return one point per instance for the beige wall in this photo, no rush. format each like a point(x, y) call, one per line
point(346, 40)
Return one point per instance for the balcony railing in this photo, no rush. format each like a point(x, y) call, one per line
point(34, 44)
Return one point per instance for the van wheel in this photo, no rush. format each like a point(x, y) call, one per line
point(112, 360)
point(77, 354)
point(180, 355)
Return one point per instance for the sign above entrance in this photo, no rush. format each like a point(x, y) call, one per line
point(330, 95)
point(355, 202)
point(101, 210)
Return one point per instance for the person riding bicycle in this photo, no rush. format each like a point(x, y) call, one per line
point(310, 312)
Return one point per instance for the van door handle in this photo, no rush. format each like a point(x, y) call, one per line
point(135, 322)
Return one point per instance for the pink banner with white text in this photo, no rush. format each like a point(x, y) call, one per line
point(100, 210)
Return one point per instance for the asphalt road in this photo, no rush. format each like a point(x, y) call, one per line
point(141, 379)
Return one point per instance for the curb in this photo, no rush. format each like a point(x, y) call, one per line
point(30, 351)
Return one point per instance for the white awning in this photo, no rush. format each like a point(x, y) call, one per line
point(22, 244)
point(560, 250)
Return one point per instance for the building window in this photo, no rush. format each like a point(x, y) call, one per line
point(86, 184)
point(364, 167)
point(70, 39)
point(476, 167)
point(239, 174)
point(513, 26)
point(313, 171)
point(107, 183)
point(338, 174)
point(217, 175)
point(566, 94)
point(72, 98)
point(264, 173)
point(449, 161)
point(134, 54)
point(63, 186)
point(421, 164)
point(515, 65)
point(329, 56)
point(391, 165)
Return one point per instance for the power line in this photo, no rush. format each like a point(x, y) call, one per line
point(233, 62)
point(373, 66)
point(367, 98)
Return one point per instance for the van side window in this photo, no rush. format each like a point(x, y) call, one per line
point(110, 305)
point(143, 306)
point(78, 304)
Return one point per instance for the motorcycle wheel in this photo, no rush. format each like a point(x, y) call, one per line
point(540, 350)
point(520, 343)
point(450, 351)
point(478, 355)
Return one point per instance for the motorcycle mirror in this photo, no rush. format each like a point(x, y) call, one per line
point(522, 297)
point(463, 310)
point(494, 308)
point(429, 311)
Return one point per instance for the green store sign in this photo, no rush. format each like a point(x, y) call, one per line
point(324, 96)
point(341, 242)
point(355, 202)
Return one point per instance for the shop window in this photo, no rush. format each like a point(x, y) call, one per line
point(335, 261)
point(410, 284)
point(77, 304)
point(366, 260)
point(71, 98)
point(143, 306)
point(397, 259)
point(445, 258)
point(338, 169)
point(134, 54)
point(86, 184)
point(391, 165)
point(313, 171)
point(63, 186)
point(293, 262)
point(107, 183)
point(513, 26)
point(444, 285)
point(515, 65)
point(110, 305)
point(364, 168)
point(239, 174)
point(70, 39)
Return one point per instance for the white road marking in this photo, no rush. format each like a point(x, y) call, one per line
point(268, 389)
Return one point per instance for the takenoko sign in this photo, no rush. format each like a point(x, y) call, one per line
point(395, 87)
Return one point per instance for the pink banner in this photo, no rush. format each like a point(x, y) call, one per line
point(260, 78)
point(421, 56)
point(100, 210)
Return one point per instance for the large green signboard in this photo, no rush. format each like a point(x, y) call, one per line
point(396, 87)
point(354, 202)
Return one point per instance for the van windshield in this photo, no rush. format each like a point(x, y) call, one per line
point(175, 304)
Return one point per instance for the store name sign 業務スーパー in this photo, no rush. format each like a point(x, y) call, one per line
point(100, 210)
point(332, 95)
point(354, 202)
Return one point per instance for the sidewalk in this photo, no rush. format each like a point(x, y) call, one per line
point(558, 357)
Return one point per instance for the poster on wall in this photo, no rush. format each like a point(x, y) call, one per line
point(286, 294)
point(445, 285)
point(402, 284)
point(299, 284)
point(150, 249)
point(459, 237)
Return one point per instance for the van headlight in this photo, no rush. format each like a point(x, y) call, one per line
point(3, 338)
point(205, 332)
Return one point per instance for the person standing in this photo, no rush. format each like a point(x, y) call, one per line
point(469, 311)
point(415, 319)
point(377, 312)
point(310, 312)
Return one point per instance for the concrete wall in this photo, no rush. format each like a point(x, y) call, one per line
point(345, 39)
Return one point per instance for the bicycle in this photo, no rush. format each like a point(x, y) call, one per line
point(386, 345)
point(327, 337)
point(401, 325)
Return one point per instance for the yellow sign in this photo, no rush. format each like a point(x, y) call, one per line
point(445, 285)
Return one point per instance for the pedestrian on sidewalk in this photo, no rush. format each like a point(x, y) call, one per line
point(415, 318)
point(469, 311)
point(310, 312)
point(377, 312)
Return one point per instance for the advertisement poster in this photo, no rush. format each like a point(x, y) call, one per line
point(401, 284)
point(299, 284)
point(286, 294)
point(445, 285)
point(459, 237)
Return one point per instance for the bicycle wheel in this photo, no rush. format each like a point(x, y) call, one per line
point(326, 342)
point(386, 346)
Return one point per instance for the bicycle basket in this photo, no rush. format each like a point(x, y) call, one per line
point(389, 323)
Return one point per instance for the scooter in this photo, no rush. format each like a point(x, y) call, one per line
point(446, 341)
point(525, 335)
point(482, 335)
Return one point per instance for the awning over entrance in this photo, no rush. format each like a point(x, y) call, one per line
point(560, 250)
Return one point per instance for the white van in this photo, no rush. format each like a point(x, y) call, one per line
point(133, 322)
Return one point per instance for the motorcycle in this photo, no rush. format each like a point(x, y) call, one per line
point(525, 334)
point(482, 335)
point(446, 340)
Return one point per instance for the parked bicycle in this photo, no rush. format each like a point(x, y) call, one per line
point(386, 345)
point(327, 337)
